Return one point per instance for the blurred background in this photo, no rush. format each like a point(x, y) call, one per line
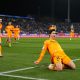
point(35, 16)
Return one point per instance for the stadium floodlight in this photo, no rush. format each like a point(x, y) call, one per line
point(68, 14)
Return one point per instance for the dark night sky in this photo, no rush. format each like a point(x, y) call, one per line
point(52, 8)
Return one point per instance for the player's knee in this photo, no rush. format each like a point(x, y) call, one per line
point(59, 67)
point(51, 66)
point(73, 66)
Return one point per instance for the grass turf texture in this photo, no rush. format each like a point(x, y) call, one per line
point(23, 54)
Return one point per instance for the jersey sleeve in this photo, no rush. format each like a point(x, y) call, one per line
point(42, 52)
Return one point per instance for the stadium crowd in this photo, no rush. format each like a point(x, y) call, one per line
point(32, 25)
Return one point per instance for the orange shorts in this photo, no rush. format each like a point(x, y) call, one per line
point(66, 59)
point(57, 59)
point(16, 35)
point(9, 35)
point(72, 35)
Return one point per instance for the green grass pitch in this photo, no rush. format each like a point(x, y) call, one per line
point(23, 54)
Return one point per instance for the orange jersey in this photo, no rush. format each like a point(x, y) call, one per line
point(9, 28)
point(16, 30)
point(53, 48)
point(0, 26)
point(72, 34)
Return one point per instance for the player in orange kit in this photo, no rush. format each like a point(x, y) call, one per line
point(0, 38)
point(9, 28)
point(0, 25)
point(58, 56)
point(72, 34)
point(16, 32)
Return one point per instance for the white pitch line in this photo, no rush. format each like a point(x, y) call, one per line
point(22, 77)
point(75, 60)
point(4, 73)
point(19, 69)
point(30, 68)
